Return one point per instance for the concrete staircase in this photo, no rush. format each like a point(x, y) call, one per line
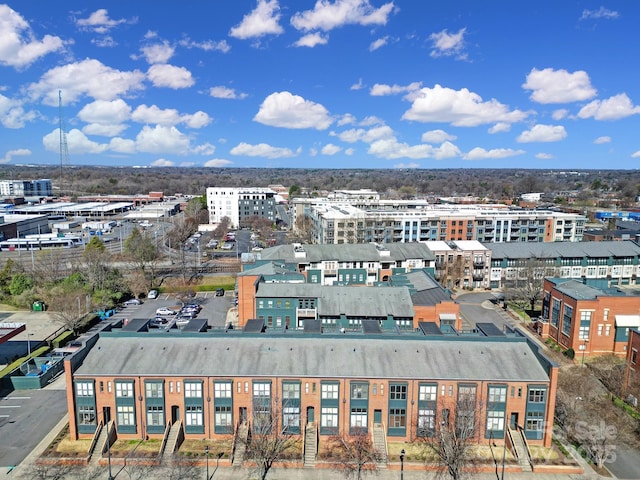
point(521, 450)
point(99, 445)
point(310, 445)
point(240, 444)
point(380, 443)
point(174, 440)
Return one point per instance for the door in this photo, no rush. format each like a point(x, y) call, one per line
point(175, 413)
point(513, 423)
point(106, 414)
point(243, 415)
point(377, 416)
point(310, 415)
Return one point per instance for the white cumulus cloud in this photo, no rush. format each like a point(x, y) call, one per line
point(19, 46)
point(19, 152)
point(312, 39)
point(264, 20)
point(263, 150)
point(602, 12)
point(217, 163)
point(329, 15)
point(330, 149)
point(158, 53)
point(99, 21)
point(559, 86)
point(601, 140)
point(283, 109)
point(496, 153)
point(447, 44)
point(461, 108)
point(437, 136)
point(544, 156)
point(380, 89)
point(88, 77)
point(162, 162)
point(379, 43)
point(543, 133)
point(162, 139)
point(613, 108)
point(170, 76)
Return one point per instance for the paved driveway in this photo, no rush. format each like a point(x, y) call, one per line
point(478, 307)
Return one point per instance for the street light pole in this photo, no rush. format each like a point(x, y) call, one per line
point(402, 452)
point(109, 450)
point(206, 452)
point(584, 349)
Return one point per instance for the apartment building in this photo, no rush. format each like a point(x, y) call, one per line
point(279, 298)
point(239, 204)
point(353, 264)
point(394, 387)
point(600, 264)
point(461, 263)
point(631, 386)
point(26, 188)
point(590, 320)
point(337, 223)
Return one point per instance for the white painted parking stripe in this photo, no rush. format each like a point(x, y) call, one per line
point(10, 406)
point(17, 398)
point(5, 416)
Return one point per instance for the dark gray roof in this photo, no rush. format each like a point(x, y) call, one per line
point(349, 252)
point(577, 290)
point(517, 250)
point(230, 356)
point(353, 300)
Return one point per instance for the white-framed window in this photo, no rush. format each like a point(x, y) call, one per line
point(193, 390)
point(84, 389)
point(359, 390)
point(193, 415)
point(329, 391)
point(125, 414)
point(358, 418)
point(124, 390)
point(495, 420)
point(497, 394)
point(86, 415)
point(223, 416)
point(291, 390)
point(222, 390)
point(261, 389)
point(428, 392)
point(153, 390)
point(155, 415)
point(329, 417)
point(291, 416)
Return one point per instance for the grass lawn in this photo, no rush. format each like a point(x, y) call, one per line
point(74, 447)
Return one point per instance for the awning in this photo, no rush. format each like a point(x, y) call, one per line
point(628, 321)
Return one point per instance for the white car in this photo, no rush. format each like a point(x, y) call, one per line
point(165, 311)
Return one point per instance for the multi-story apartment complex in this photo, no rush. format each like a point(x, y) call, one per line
point(239, 204)
point(395, 387)
point(461, 263)
point(336, 223)
point(631, 385)
point(278, 298)
point(26, 188)
point(352, 264)
point(590, 320)
point(600, 264)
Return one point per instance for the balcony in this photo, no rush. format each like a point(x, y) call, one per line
point(306, 312)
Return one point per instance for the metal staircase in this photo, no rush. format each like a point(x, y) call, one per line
point(310, 445)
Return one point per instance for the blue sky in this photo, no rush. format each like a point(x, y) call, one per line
point(327, 84)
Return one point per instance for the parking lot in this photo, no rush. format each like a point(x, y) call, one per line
point(215, 309)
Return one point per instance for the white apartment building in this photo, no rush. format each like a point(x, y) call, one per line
point(239, 204)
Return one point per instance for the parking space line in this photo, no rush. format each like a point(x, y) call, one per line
point(16, 398)
point(10, 406)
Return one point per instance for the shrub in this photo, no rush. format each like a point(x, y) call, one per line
point(570, 353)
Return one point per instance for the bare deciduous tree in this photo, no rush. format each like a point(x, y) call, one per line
point(525, 290)
point(68, 307)
point(450, 444)
point(269, 440)
point(354, 456)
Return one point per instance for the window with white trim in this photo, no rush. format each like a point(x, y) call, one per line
point(222, 390)
point(84, 389)
point(124, 390)
point(193, 415)
point(329, 391)
point(193, 390)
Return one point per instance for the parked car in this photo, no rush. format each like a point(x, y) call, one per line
point(158, 322)
point(132, 301)
point(220, 292)
point(187, 314)
point(165, 311)
point(152, 294)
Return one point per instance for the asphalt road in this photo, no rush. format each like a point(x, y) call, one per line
point(478, 308)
